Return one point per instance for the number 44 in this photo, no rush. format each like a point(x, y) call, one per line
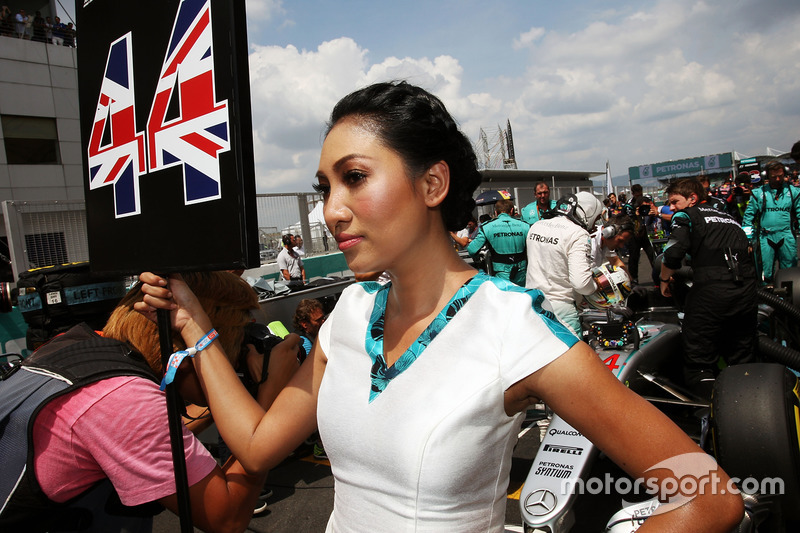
point(193, 139)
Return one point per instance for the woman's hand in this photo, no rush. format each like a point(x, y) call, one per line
point(173, 295)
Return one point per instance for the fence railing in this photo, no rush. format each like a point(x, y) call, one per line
point(46, 233)
point(295, 213)
point(52, 233)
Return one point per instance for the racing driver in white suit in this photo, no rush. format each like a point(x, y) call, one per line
point(559, 255)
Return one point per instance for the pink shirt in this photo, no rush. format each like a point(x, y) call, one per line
point(117, 429)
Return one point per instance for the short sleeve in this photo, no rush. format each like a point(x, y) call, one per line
point(137, 455)
point(116, 428)
point(531, 336)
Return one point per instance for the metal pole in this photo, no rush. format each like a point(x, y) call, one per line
point(305, 228)
point(15, 232)
point(174, 408)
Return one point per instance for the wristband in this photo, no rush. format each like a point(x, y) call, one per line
point(663, 280)
point(177, 358)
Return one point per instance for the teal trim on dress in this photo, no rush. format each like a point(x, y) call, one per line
point(555, 326)
point(381, 375)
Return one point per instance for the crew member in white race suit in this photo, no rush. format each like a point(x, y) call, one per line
point(559, 255)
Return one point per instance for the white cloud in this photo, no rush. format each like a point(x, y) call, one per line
point(528, 38)
point(293, 92)
point(263, 9)
point(668, 81)
point(673, 79)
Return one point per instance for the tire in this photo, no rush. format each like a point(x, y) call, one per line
point(755, 419)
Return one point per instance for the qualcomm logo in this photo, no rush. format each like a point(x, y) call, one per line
point(540, 502)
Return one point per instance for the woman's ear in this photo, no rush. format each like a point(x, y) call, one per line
point(436, 184)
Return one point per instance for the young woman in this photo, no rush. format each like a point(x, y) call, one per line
point(419, 385)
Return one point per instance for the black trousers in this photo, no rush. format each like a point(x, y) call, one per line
point(635, 245)
point(720, 321)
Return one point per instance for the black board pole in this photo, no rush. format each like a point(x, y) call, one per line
point(174, 409)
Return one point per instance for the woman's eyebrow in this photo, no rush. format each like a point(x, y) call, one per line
point(338, 164)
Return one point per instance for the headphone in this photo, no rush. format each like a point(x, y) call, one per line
point(568, 206)
point(610, 231)
point(786, 172)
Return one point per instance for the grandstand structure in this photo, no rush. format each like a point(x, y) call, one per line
point(495, 149)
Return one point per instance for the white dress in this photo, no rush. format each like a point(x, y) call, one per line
point(425, 445)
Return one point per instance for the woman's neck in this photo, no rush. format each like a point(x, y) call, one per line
point(424, 284)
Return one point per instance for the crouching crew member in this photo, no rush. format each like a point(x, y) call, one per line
point(720, 312)
point(85, 438)
point(505, 238)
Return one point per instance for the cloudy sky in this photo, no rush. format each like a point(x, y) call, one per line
point(582, 81)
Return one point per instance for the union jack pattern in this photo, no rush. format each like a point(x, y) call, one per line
point(193, 138)
point(121, 160)
point(201, 131)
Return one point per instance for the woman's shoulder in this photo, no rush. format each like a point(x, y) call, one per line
point(509, 296)
point(358, 294)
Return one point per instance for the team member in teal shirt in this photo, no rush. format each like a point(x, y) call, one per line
point(505, 237)
point(533, 211)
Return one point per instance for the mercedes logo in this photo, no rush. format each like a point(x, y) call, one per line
point(540, 502)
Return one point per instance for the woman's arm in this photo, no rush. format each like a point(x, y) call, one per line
point(258, 440)
point(282, 366)
point(223, 500)
point(636, 436)
point(461, 241)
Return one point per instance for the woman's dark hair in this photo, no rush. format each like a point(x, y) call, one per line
point(416, 125)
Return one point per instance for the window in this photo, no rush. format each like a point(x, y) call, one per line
point(30, 140)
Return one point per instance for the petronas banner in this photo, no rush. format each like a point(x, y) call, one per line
point(692, 166)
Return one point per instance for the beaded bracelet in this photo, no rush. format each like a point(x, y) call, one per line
point(177, 358)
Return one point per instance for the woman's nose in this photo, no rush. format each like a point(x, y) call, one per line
point(335, 209)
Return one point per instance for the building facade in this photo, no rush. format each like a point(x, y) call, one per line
point(41, 184)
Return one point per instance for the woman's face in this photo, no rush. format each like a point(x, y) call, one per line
point(372, 207)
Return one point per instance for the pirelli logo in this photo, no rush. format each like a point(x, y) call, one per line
point(570, 450)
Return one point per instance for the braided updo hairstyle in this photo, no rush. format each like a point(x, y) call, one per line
point(416, 125)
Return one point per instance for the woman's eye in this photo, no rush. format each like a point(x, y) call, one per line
point(353, 177)
point(320, 188)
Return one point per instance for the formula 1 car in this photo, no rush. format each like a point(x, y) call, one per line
point(751, 426)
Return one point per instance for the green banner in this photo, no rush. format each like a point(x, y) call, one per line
point(694, 165)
